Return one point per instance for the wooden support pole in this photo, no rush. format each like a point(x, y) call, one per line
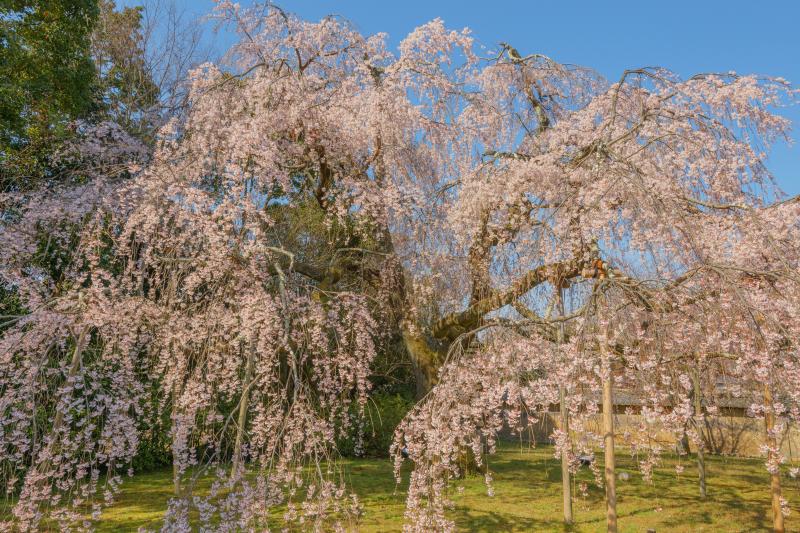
point(775, 477)
point(608, 440)
point(176, 475)
point(566, 486)
point(699, 419)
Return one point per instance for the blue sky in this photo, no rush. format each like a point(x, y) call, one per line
point(609, 36)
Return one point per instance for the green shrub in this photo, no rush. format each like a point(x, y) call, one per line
point(382, 415)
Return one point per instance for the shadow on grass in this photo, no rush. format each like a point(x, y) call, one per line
point(528, 497)
point(468, 520)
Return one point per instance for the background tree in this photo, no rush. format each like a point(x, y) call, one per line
point(129, 94)
point(48, 81)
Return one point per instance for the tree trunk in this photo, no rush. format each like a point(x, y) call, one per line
point(426, 361)
point(75, 364)
point(608, 439)
point(58, 420)
point(698, 418)
point(243, 406)
point(684, 442)
point(775, 477)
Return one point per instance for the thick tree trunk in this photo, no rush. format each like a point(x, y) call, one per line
point(699, 418)
point(775, 478)
point(684, 442)
point(243, 407)
point(426, 360)
point(608, 439)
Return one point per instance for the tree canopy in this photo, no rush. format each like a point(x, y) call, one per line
point(526, 233)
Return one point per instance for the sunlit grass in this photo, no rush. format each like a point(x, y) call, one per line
point(528, 497)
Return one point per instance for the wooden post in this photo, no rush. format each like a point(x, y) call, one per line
point(775, 478)
point(566, 487)
point(176, 478)
point(699, 418)
point(608, 433)
point(608, 440)
point(169, 296)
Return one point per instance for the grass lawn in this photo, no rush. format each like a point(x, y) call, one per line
point(528, 497)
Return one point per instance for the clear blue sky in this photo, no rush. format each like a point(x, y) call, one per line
point(609, 36)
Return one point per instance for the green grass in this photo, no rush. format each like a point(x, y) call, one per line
point(528, 497)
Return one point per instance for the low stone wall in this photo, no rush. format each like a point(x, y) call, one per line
point(724, 435)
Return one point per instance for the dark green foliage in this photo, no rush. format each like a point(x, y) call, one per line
point(155, 442)
point(47, 79)
point(382, 415)
point(11, 307)
point(63, 60)
point(384, 412)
